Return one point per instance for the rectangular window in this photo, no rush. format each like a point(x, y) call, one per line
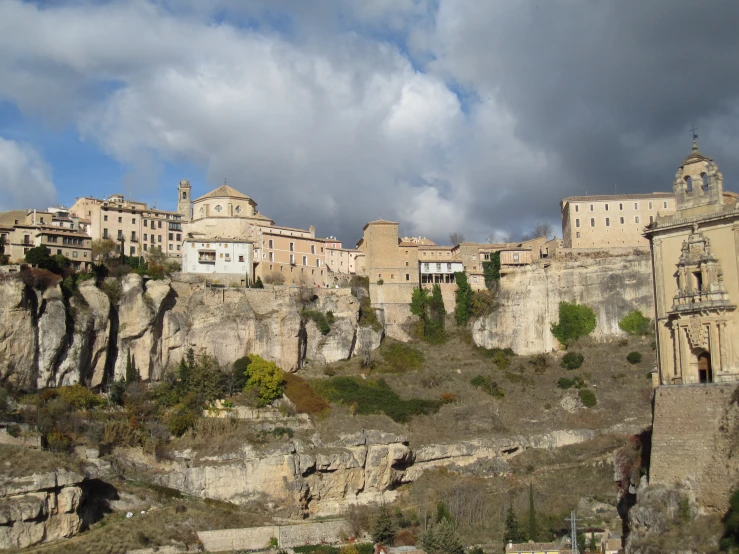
point(448, 267)
point(120, 234)
point(620, 206)
point(608, 222)
point(592, 208)
point(120, 220)
point(159, 238)
point(170, 247)
point(179, 237)
point(132, 250)
point(592, 222)
point(650, 205)
point(171, 236)
point(577, 223)
point(241, 258)
point(292, 247)
point(426, 267)
point(145, 222)
point(133, 221)
point(407, 276)
point(59, 251)
point(578, 234)
point(636, 205)
point(606, 207)
point(664, 205)
point(271, 256)
point(438, 267)
point(474, 279)
point(74, 254)
point(159, 224)
point(313, 249)
point(271, 244)
point(146, 247)
point(622, 221)
point(292, 258)
point(146, 237)
point(305, 260)
point(577, 208)
point(651, 219)
point(178, 247)
point(105, 218)
point(636, 219)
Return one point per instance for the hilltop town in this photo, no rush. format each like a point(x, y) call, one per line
point(209, 354)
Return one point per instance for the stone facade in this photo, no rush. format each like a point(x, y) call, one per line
point(610, 221)
point(693, 436)
point(696, 276)
point(286, 536)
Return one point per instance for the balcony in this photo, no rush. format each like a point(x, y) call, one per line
point(134, 239)
point(207, 256)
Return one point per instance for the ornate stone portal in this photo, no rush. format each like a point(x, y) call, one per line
point(695, 254)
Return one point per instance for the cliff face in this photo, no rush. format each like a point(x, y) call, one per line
point(47, 341)
point(529, 300)
point(39, 508)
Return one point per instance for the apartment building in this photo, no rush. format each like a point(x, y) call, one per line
point(341, 260)
point(612, 221)
point(132, 224)
point(295, 253)
point(226, 256)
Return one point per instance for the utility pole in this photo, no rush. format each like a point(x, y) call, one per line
point(573, 531)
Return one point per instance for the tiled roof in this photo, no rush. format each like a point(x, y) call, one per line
point(224, 190)
point(600, 197)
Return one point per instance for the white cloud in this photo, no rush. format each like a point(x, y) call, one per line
point(25, 179)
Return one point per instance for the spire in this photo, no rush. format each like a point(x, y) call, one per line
point(693, 132)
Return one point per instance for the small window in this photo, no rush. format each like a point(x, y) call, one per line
point(292, 258)
point(120, 220)
point(651, 219)
point(515, 257)
point(146, 237)
point(271, 245)
point(636, 219)
point(271, 256)
point(438, 267)
point(577, 223)
point(474, 279)
point(133, 220)
point(407, 276)
point(650, 205)
point(620, 206)
point(406, 264)
point(74, 254)
point(622, 221)
point(578, 234)
point(392, 276)
point(292, 247)
point(592, 222)
point(171, 236)
point(305, 260)
point(313, 249)
point(592, 208)
point(664, 205)
point(705, 181)
point(608, 222)
point(219, 208)
point(606, 207)
point(577, 208)
point(105, 218)
point(636, 205)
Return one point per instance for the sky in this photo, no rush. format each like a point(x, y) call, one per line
point(444, 115)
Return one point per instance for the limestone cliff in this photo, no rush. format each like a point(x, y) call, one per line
point(48, 340)
point(529, 300)
point(39, 508)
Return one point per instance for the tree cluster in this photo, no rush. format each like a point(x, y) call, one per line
point(575, 321)
point(463, 296)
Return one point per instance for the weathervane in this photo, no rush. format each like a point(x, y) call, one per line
point(693, 132)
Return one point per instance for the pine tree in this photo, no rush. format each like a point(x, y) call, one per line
point(443, 513)
point(436, 316)
point(258, 283)
point(442, 538)
point(513, 531)
point(383, 530)
point(533, 530)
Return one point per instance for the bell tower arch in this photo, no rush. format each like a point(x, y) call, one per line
point(184, 200)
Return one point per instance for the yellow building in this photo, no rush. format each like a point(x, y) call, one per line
point(611, 221)
point(532, 548)
point(695, 255)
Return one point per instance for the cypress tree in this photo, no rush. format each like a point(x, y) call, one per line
point(383, 530)
point(463, 308)
point(132, 374)
point(533, 531)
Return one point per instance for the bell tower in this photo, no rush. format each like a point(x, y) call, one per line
point(184, 201)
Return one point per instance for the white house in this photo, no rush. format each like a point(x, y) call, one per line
point(439, 272)
point(218, 255)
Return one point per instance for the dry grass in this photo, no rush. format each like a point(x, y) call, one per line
point(20, 462)
point(531, 404)
point(300, 393)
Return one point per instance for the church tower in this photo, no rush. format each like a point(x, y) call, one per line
point(184, 201)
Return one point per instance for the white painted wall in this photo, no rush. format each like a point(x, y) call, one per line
point(226, 257)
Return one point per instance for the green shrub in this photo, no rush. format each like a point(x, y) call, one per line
point(278, 432)
point(572, 360)
point(501, 360)
point(330, 317)
point(484, 302)
point(575, 321)
point(367, 316)
point(478, 381)
point(491, 270)
point(576, 382)
point(587, 398)
point(429, 308)
point(402, 357)
point(301, 393)
point(635, 324)
point(320, 320)
point(80, 397)
point(181, 419)
point(463, 297)
point(380, 282)
point(633, 357)
point(374, 397)
point(489, 386)
point(265, 378)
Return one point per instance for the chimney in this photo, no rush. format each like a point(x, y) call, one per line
point(312, 230)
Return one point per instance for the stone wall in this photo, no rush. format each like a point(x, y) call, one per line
point(529, 300)
point(694, 437)
point(287, 536)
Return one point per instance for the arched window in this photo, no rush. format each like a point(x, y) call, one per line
point(705, 181)
point(689, 183)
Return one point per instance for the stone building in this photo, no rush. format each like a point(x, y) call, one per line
point(695, 255)
point(226, 235)
point(134, 224)
point(611, 221)
point(54, 228)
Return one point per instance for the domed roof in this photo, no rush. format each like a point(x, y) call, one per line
point(695, 155)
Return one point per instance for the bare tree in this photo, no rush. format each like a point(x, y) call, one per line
point(456, 238)
point(103, 249)
point(365, 346)
point(542, 229)
point(498, 238)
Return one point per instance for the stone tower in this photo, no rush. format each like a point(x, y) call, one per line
point(184, 201)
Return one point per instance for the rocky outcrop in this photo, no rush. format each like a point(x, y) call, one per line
point(39, 508)
point(18, 332)
point(316, 478)
point(47, 340)
point(529, 300)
